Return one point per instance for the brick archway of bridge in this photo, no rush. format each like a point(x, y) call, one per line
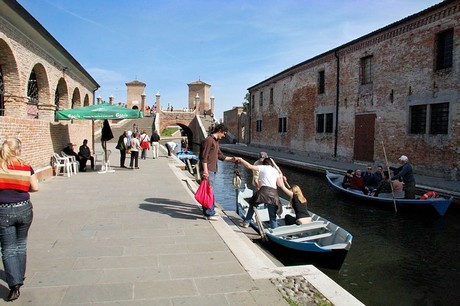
point(185, 120)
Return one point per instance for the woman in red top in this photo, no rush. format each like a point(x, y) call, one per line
point(17, 179)
point(357, 182)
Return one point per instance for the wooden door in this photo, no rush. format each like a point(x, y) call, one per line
point(364, 137)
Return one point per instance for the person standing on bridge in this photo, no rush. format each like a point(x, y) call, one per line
point(209, 154)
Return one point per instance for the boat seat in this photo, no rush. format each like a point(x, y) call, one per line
point(314, 237)
point(294, 229)
point(335, 246)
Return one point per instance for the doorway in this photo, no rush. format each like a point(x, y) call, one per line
point(364, 137)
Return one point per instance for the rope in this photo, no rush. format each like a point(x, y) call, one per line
point(236, 176)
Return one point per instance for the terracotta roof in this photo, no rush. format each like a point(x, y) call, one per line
point(199, 82)
point(136, 82)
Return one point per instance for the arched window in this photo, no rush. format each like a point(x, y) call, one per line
point(2, 89)
point(32, 94)
point(56, 101)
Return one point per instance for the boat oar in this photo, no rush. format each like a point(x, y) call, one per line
point(389, 176)
point(281, 173)
point(259, 224)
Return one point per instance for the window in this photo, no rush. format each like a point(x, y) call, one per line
point(366, 70)
point(261, 98)
point(32, 95)
point(418, 119)
point(325, 123)
point(439, 121)
point(444, 49)
point(271, 95)
point(258, 125)
point(321, 82)
point(329, 123)
point(282, 125)
point(253, 101)
point(320, 123)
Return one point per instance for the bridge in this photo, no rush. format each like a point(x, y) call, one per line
point(195, 127)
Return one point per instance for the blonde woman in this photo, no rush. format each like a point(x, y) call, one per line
point(298, 203)
point(17, 179)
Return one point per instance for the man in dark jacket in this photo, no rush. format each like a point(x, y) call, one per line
point(407, 174)
point(209, 154)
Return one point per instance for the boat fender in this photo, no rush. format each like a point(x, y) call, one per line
point(429, 195)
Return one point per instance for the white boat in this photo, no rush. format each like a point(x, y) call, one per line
point(320, 242)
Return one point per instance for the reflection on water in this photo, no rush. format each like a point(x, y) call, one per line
point(404, 258)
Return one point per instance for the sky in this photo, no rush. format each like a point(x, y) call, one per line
point(228, 44)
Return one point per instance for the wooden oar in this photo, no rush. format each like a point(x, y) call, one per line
point(389, 176)
point(259, 224)
point(281, 173)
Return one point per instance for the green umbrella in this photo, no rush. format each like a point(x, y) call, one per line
point(103, 111)
point(98, 112)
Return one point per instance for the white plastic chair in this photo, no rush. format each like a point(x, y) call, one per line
point(62, 163)
point(74, 164)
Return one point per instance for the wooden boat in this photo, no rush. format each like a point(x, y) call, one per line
point(440, 204)
point(320, 242)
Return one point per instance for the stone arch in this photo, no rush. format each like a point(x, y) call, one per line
point(61, 96)
point(9, 80)
point(76, 98)
point(189, 133)
point(37, 91)
point(135, 107)
point(86, 100)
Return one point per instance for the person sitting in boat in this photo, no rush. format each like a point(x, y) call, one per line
point(357, 183)
point(347, 178)
point(369, 179)
point(378, 175)
point(384, 185)
point(268, 192)
point(298, 204)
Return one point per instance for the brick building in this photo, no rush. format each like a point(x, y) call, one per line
point(37, 77)
point(199, 97)
point(396, 87)
point(236, 120)
point(136, 95)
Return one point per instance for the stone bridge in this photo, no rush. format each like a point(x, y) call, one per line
point(194, 126)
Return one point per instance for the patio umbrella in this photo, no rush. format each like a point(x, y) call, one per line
point(98, 112)
point(103, 111)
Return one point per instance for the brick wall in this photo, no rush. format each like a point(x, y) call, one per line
point(403, 61)
point(23, 49)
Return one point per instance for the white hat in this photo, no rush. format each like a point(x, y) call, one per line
point(403, 158)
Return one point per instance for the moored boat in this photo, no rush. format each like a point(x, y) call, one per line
point(319, 242)
point(440, 204)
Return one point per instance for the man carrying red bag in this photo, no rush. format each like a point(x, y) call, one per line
point(209, 154)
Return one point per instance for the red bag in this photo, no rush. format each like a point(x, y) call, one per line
point(204, 194)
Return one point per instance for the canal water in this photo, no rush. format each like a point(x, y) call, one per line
point(403, 258)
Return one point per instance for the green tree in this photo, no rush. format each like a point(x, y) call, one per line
point(246, 102)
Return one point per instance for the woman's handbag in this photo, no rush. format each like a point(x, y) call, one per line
point(204, 194)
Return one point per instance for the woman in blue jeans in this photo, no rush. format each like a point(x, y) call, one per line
point(17, 179)
point(267, 193)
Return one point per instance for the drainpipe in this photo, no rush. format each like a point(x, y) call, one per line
point(337, 86)
point(249, 119)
